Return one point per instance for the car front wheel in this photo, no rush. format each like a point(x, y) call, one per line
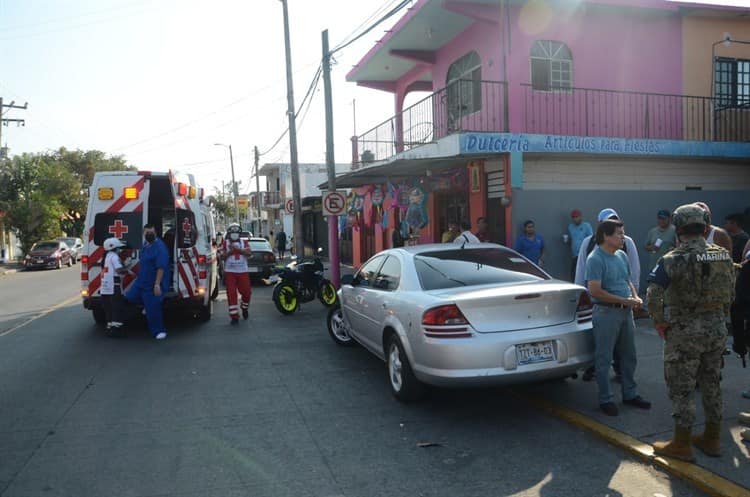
point(404, 385)
point(337, 327)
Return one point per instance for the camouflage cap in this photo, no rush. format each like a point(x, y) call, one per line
point(689, 214)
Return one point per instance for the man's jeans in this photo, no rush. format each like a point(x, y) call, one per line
point(614, 329)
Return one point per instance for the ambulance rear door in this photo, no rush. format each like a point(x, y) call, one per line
point(116, 207)
point(190, 263)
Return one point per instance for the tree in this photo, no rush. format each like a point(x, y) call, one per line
point(45, 195)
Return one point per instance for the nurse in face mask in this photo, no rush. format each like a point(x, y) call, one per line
point(152, 282)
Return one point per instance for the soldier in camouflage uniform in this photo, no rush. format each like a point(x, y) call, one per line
point(689, 294)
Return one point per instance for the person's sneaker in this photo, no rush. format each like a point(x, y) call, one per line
point(744, 418)
point(161, 335)
point(245, 314)
point(638, 402)
point(745, 434)
point(609, 408)
point(234, 321)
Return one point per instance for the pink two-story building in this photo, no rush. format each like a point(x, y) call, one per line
point(534, 108)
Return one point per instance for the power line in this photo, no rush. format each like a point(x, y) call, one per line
point(385, 17)
point(372, 16)
point(310, 89)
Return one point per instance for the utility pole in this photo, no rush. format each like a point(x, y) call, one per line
point(4, 122)
point(256, 154)
point(299, 246)
point(333, 221)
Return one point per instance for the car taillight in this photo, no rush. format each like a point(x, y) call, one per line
point(84, 259)
point(585, 309)
point(201, 259)
point(445, 321)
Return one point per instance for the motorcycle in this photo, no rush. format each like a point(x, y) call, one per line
point(300, 282)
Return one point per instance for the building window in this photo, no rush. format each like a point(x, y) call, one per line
point(732, 82)
point(551, 66)
point(464, 88)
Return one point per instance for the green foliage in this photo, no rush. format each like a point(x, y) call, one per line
point(45, 195)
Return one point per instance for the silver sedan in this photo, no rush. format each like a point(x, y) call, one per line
point(452, 315)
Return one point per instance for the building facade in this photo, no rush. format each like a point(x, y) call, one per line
point(278, 205)
point(532, 109)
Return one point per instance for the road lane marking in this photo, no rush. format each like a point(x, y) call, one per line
point(41, 314)
point(707, 481)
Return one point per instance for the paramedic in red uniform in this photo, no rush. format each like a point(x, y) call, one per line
point(234, 253)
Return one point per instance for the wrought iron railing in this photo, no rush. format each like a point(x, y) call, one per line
point(468, 105)
point(627, 114)
point(462, 106)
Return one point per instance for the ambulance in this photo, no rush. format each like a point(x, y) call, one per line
point(120, 204)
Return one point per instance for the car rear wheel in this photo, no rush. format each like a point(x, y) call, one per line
point(285, 298)
point(404, 385)
point(337, 327)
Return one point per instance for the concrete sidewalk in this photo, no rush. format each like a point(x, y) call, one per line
point(656, 424)
point(9, 268)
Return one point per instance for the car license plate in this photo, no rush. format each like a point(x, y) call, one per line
point(253, 270)
point(532, 353)
point(40, 261)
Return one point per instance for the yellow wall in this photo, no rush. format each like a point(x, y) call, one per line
point(698, 35)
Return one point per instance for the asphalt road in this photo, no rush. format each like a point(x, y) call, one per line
point(270, 408)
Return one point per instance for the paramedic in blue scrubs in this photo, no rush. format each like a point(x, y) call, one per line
point(152, 282)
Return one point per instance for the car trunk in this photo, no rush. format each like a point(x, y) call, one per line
point(515, 307)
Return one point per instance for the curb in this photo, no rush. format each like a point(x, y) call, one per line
point(703, 479)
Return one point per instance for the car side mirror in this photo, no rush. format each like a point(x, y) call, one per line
point(347, 279)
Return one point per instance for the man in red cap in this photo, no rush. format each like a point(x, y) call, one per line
point(578, 230)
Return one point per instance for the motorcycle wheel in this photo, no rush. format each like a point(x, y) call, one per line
point(327, 294)
point(285, 298)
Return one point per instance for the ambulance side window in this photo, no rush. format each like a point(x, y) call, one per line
point(187, 232)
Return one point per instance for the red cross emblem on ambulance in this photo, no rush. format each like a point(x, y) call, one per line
point(118, 229)
point(186, 227)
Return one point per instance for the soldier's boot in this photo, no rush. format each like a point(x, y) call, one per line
point(710, 442)
point(678, 448)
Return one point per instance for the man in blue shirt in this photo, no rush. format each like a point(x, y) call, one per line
point(152, 282)
point(615, 297)
point(577, 231)
point(531, 245)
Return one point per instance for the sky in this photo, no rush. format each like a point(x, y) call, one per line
point(161, 81)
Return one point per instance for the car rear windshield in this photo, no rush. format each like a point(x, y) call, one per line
point(468, 267)
point(260, 245)
point(46, 246)
point(70, 241)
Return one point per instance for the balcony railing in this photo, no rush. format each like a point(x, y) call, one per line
point(625, 114)
point(462, 106)
point(268, 200)
point(467, 106)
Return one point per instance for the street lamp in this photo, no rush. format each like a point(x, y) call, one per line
point(234, 183)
